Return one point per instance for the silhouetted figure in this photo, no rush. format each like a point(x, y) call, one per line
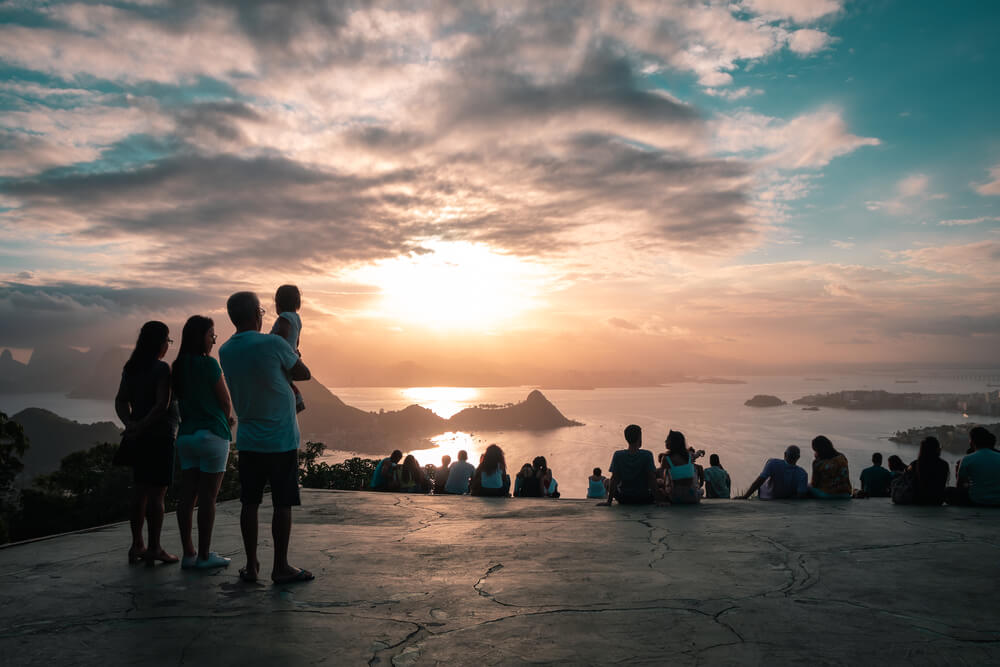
point(979, 473)
point(597, 485)
point(875, 479)
point(144, 405)
point(202, 440)
point(682, 475)
point(930, 473)
point(384, 477)
point(781, 478)
point(441, 474)
point(288, 325)
point(633, 474)
point(717, 482)
point(896, 467)
point(491, 478)
point(550, 484)
point(411, 476)
point(257, 367)
point(459, 475)
point(525, 481)
point(831, 479)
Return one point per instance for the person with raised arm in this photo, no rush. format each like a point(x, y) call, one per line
point(257, 368)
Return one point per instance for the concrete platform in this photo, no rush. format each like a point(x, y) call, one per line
point(425, 580)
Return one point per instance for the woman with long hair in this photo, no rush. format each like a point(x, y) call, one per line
point(202, 440)
point(144, 405)
point(490, 478)
point(682, 477)
point(930, 473)
point(831, 479)
point(411, 476)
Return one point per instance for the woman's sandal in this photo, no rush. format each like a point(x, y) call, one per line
point(136, 556)
point(249, 577)
point(301, 575)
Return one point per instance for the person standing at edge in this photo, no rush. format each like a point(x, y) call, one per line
point(257, 367)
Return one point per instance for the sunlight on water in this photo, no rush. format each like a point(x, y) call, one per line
point(450, 443)
point(443, 401)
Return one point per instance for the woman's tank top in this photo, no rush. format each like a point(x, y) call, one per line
point(596, 489)
point(493, 480)
point(682, 472)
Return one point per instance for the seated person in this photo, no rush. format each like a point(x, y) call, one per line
point(633, 473)
point(875, 479)
point(550, 484)
point(526, 485)
point(930, 474)
point(979, 474)
point(491, 478)
point(597, 485)
point(717, 482)
point(441, 474)
point(896, 467)
point(781, 478)
point(411, 476)
point(831, 479)
point(683, 481)
point(459, 474)
point(384, 477)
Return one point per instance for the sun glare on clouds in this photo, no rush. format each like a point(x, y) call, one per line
point(456, 286)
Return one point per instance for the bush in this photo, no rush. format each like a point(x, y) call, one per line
point(354, 474)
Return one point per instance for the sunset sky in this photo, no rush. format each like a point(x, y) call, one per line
point(657, 186)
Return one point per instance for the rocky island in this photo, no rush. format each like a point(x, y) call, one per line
point(764, 401)
point(981, 403)
point(954, 439)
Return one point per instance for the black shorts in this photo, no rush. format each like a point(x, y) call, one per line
point(280, 469)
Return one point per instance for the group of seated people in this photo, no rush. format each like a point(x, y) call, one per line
point(678, 479)
point(489, 478)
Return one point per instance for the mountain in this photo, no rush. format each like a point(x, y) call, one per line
point(11, 372)
point(105, 374)
point(52, 437)
point(55, 368)
point(535, 413)
point(340, 426)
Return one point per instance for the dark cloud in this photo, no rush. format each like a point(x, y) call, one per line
point(619, 323)
point(220, 119)
point(958, 325)
point(90, 315)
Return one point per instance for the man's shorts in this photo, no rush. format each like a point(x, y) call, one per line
point(203, 450)
point(280, 469)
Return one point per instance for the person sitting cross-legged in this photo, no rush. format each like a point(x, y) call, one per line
point(633, 478)
point(875, 479)
point(781, 478)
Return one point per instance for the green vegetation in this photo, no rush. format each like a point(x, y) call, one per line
point(13, 445)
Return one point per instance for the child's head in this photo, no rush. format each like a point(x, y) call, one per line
point(288, 299)
point(597, 472)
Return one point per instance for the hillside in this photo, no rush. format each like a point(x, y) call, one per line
point(535, 413)
point(52, 437)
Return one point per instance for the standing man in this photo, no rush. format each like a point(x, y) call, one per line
point(633, 473)
point(257, 367)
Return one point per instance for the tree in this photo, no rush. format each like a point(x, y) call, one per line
point(13, 445)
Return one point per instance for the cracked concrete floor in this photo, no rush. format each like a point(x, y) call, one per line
point(429, 579)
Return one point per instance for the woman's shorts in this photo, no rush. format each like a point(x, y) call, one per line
point(203, 450)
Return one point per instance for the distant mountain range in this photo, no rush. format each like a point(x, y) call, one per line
point(327, 419)
point(52, 437)
point(93, 374)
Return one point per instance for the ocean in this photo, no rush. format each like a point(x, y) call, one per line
point(712, 417)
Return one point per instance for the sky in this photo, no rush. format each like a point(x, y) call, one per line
point(525, 187)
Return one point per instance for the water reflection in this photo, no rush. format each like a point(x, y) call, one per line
point(443, 401)
point(450, 443)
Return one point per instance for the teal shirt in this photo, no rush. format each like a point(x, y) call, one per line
point(875, 481)
point(197, 376)
point(982, 470)
point(256, 367)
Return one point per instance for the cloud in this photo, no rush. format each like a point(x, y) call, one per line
point(733, 93)
point(800, 11)
point(843, 245)
point(807, 141)
point(623, 324)
point(990, 188)
point(960, 325)
point(807, 40)
point(973, 259)
point(910, 191)
point(962, 222)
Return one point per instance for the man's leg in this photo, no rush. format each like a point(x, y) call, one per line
point(284, 475)
point(281, 532)
point(248, 526)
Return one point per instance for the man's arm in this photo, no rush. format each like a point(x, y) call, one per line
point(757, 483)
point(612, 485)
point(300, 372)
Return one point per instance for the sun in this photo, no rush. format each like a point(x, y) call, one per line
point(456, 286)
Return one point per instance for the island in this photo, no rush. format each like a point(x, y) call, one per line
point(980, 403)
point(764, 401)
point(953, 439)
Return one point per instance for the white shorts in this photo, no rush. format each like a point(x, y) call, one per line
point(203, 450)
